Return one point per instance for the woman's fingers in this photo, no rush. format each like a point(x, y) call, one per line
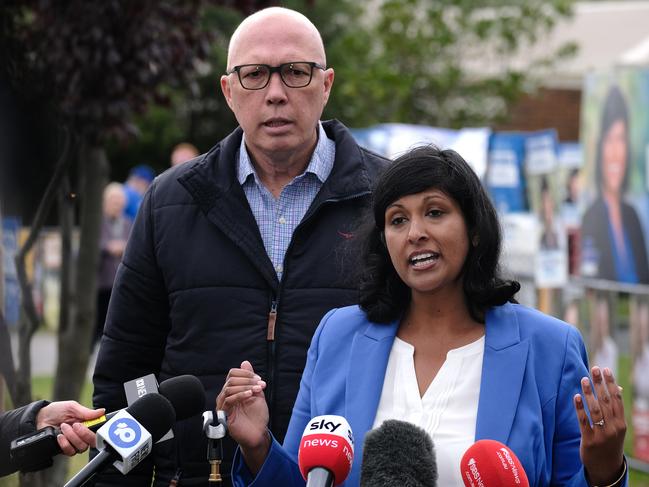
point(230, 402)
point(614, 392)
point(596, 413)
point(239, 381)
point(582, 417)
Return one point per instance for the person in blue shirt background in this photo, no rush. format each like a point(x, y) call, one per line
point(138, 181)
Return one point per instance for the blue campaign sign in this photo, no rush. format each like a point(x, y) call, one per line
point(125, 433)
point(505, 177)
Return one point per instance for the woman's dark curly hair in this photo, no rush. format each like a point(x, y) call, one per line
point(383, 295)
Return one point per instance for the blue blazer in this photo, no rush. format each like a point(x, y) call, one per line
point(531, 370)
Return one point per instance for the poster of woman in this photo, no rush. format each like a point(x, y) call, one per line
point(614, 129)
point(614, 226)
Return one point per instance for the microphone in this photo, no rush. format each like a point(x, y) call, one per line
point(490, 463)
point(326, 451)
point(127, 438)
point(185, 393)
point(398, 453)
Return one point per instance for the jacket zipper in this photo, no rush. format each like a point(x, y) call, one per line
point(272, 314)
point(270, 351)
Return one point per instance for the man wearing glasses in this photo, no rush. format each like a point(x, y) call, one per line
point(238, 253)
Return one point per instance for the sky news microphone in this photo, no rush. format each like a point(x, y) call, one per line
point(326, 451)
point(185, 393)
point(398, 453)
point(127, 438)
point(489, 463)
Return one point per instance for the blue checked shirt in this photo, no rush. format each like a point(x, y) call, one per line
point(278, 218)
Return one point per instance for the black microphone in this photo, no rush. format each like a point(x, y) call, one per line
point(185, 393)
point(34, 451)
point(127, 438)
point(398, 453)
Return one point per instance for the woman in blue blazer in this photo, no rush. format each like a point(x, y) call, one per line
point(430, 284)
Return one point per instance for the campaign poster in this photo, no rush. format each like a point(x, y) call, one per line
point(543, 189)
point(615, 220)
point(394, 139)
point(505, 179)
point(615, 141)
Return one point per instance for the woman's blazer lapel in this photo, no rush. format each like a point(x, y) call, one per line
point(503, 369)
point(370, 350)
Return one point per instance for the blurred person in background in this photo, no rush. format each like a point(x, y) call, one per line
point(241, 251)
point(138, 181)
point(115, 229)
point(183, 152)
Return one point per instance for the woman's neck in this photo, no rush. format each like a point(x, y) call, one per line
point(444, 317)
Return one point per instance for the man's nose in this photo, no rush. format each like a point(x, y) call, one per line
point(276, 89)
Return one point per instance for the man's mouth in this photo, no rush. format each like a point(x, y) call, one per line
point(276, 122)
point(421, 260)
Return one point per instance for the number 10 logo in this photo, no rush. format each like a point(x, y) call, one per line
point(125, 432)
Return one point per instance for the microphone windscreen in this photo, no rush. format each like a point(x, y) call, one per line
point(490, 463)
point(185, 393)
point(398, 453)
point(155, 413)
point(328, 443)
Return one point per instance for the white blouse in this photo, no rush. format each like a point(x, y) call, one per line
point(448, 409)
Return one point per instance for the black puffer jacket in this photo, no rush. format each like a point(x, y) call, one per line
point(196, 287)
point(15, 423)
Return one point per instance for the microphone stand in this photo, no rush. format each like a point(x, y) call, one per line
point(214, 429)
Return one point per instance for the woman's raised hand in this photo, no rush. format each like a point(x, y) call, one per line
point(602, 437)
point(242, 399)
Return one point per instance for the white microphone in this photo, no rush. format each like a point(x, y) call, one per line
point(126, 439)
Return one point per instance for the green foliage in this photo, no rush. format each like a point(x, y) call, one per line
point(196, 112)
point(102, 61)
point(443, 63)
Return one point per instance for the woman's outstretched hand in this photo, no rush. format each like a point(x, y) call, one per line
point(242, 399)
point(602, 437)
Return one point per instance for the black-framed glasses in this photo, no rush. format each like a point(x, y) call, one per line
point(296, 74)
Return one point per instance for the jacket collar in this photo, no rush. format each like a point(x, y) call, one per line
point(364, 383)
point(214, 175)
point(212, 183)
point(503, 369)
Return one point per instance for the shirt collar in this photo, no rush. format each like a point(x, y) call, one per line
point(320, 165)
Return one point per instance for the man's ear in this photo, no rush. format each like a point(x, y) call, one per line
point(227, 90)
point(328, 83)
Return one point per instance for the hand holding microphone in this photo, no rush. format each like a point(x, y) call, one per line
point(242, 399)
point(68, 415)
point(127, 438)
